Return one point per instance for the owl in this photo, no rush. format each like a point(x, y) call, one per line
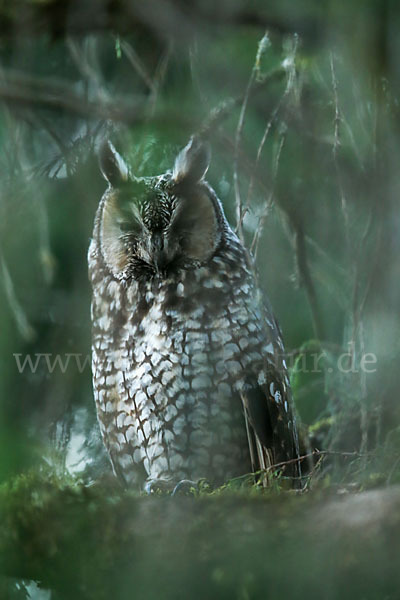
point(189, 375)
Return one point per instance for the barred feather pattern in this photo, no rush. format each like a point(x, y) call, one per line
point(189, 375)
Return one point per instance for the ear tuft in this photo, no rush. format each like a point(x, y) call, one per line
point(192, 162)
point(112, 165)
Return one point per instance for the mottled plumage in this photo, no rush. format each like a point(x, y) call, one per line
point(188, 371)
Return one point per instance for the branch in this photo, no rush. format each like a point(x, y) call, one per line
point(226, 108)
point(318, 453)
point(18, 89)
point(305, 277)
point(254, 73)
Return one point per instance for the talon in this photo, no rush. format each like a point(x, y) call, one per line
point(184, 487)
point(155, 486)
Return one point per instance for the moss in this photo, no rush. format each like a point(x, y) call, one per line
point(98, 542)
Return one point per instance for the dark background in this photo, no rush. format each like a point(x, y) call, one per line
point(320, 191)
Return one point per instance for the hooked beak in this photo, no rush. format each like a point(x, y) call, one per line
point(157, 250)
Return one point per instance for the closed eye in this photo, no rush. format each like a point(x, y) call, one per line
point(129, 226)
point(128, 220)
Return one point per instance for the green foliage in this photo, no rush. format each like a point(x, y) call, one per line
point(316, 159)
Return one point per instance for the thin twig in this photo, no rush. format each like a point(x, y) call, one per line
point(392, 470)
point(268, 204)
point(159, 77)
point(225, 108)
point(358, 305)
point(314, 470)
point(85, 57)
point(258, 156)
point(305, 277)
point(137, 63)
point(364, 412)
point(239, 131)
point(25, 329)
point(336, 145)
point(300, 459)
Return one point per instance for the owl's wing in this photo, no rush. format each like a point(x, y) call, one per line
point(270, 424)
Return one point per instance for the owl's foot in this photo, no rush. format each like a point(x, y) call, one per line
point(164, 486)
point(158, 486)
point(185, 486)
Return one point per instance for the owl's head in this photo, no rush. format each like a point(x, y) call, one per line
point(153, 225)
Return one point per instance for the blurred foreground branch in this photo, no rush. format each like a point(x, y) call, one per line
point(24, 90)
point(91, 543)
point(164, 17)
